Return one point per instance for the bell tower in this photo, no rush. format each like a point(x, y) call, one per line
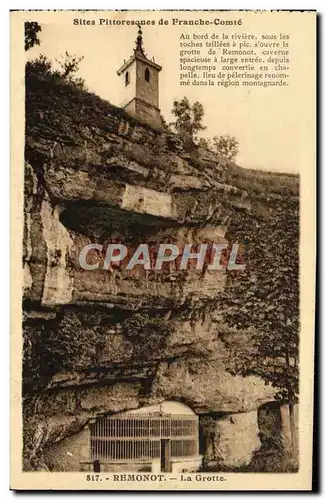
point(140, 86)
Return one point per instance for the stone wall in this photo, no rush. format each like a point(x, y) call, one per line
point(147, 91)
point(145, 113)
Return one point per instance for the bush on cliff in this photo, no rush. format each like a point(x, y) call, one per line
point(148, 335)
point(71, 345)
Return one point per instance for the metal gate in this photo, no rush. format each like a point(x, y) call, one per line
point(131, 437)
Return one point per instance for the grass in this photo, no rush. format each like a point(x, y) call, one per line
point(261, 182)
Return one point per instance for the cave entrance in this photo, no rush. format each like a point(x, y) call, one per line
point(162, 437)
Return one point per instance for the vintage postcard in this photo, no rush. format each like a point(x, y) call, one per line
point(163, 249)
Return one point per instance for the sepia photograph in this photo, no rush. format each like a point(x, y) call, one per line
point(164, 290)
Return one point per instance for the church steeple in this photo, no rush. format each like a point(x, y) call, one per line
point(140, 77)
point(139, 43)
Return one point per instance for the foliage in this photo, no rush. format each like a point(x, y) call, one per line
point(71, 344)
point(275, 460)
point(69, 64)
point(41, 65)
point(189, 121)
point(148, 335)
point(31, 31)
point(225, 146)
point(188, 117)
point(41, 68)
point(264, 299)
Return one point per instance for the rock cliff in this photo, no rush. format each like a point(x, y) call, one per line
point(99, 342)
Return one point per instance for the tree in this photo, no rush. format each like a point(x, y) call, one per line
point(225, 146)
point(188, 117)
point(31, 31)
point(69, 64)
point(262, 302)
point(189, 121)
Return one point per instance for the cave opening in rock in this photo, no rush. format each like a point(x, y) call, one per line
point(158, 438)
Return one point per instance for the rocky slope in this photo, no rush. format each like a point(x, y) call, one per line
point(98, 342)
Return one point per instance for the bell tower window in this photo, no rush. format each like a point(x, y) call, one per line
point(147, 75)
point(127, 78)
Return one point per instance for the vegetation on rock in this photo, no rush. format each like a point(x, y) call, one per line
point(188, 117)
point(189, 121)
point(148, 335)
point(224, 146)
point(263, 300)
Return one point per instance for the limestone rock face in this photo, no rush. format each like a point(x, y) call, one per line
point(237, 439)
point(93, 174)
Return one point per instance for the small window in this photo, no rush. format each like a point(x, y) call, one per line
point(127, 78)
point(147, 75)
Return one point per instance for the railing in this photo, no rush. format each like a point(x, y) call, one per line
point(138, 437)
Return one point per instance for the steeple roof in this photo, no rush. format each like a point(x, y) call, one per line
point(139, 43)
point(139, 54)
